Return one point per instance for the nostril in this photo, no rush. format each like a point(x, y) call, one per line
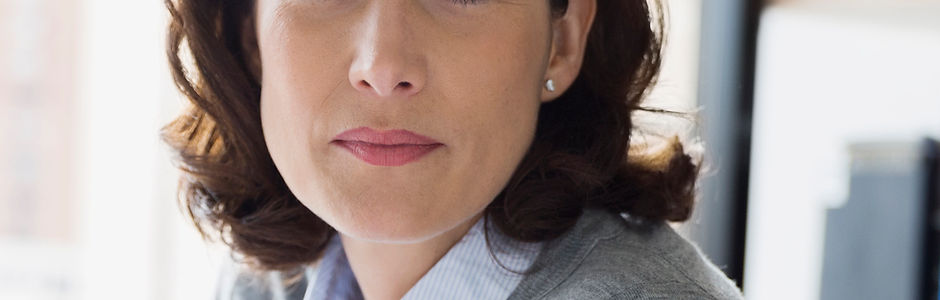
point(385, 90)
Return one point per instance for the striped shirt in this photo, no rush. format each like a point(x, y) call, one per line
point(466, 271)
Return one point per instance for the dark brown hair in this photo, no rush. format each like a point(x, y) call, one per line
point(581, 155)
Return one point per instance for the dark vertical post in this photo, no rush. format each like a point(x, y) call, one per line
point(929, 273)
point(726, 92)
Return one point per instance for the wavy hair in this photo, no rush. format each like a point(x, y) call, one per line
point(581, 155)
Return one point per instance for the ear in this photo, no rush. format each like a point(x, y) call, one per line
point(569, 39)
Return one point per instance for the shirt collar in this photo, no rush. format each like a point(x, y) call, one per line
point(466, 271)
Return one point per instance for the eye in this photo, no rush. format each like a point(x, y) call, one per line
point(467, 2)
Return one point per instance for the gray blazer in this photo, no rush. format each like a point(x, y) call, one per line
point(609, 256)
point(604, 256)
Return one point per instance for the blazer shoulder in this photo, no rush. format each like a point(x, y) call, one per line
point(647, 260)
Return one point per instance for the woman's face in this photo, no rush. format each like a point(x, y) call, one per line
point(468, 77)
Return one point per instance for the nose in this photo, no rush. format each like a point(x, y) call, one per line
point(387, 62)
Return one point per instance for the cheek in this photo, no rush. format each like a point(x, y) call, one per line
point(503, 102)
point(284, 129)
point(298, 76)
point(499, 80)
point(497, 111)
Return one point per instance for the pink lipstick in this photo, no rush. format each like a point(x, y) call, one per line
point(385, 148)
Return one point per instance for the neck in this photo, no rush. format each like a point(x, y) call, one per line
point(388, 271)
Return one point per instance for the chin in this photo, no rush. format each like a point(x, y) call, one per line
point(399, 226)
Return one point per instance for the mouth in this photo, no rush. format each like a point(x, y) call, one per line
point(389, 148)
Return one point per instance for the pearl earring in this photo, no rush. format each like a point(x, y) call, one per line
point(550, 85)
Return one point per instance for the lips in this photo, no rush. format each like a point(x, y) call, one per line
point(385, 148)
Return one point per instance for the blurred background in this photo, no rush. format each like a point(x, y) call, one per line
point(816, 116)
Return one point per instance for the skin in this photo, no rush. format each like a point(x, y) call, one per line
point(471, 76)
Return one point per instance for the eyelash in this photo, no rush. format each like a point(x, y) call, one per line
point(467, 2)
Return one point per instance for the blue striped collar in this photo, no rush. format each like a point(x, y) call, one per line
point(467, 270)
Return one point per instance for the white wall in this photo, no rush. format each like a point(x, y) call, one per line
point(133, 242)
point(678, 83)
point(827, 76)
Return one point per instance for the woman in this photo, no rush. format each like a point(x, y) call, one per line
point(432, 149)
